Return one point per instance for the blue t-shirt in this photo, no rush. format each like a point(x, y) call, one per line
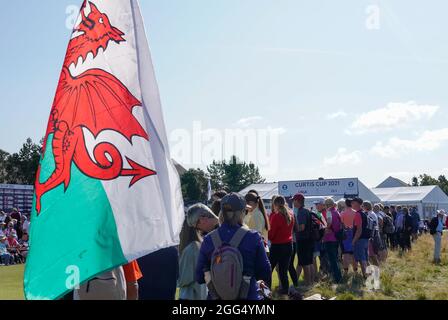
point(3, 248)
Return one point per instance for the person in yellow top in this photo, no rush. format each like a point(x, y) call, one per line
point(257, 218)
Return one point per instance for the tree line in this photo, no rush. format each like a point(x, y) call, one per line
point(427, 180)
point(232, 175)
point(20, 167)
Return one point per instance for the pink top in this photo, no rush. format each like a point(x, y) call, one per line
point(334, 226)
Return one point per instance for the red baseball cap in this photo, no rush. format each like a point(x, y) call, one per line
point(298, 197)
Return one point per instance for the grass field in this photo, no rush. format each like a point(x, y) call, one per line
point(11, 279)
point(408, 277)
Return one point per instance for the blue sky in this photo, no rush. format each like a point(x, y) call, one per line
point(350, 100)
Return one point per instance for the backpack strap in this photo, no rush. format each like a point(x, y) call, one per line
point(238, 237)
point(216, 239)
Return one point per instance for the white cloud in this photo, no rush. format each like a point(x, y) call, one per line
point(337, 115)
point(247, 122)
point(395, 147)
point(278, 131)
point(394, 115)
point(342, 157)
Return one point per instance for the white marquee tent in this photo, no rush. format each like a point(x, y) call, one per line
point(428, 199)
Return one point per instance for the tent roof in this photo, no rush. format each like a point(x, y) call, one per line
point(392, 182)
point(411, 194)
point(265, 190)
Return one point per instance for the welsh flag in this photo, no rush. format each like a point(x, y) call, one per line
point(106, 191)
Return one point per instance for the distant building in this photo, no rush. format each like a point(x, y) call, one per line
point(392, 182)
point(428, 199)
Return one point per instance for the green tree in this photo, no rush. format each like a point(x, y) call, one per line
point(443, 183)
point(234, 175)
point(415, 182)
point(3, 158)
point(21, 167)
point(194, 185)
point(216, 176)
point(427, 180)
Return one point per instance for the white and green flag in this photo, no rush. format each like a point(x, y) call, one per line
point(106, 191)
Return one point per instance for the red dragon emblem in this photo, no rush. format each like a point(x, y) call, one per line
point(94, 100)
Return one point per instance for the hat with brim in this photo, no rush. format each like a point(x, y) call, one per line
point(441, 212)
point(197, 211)
point(319, 201)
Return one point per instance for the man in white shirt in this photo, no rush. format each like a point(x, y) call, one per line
point(25, 225)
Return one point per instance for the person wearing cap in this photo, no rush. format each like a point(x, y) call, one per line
point(438, 222)
point(361, 236)
point(5, 257)
point(190, 244)
point(255, 261)
point(330, 242)
point(202, 218)
point(319, 249)
point(304, 241)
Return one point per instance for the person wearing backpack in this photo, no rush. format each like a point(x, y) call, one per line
point(332, 238)
point(372, 225)
point(304, 239)
point(280, 236)
point(436, 230)
point(388, 226)
point(361, 235)
point(382, 247)
point(232, 258)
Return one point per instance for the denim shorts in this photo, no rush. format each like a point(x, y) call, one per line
point(361, 249)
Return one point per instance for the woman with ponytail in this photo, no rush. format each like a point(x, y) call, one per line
point(280, 235)
point(257, 218)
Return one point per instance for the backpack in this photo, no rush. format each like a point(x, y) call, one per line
point(226, 270)
point(433, 225)
point(371, 225)
point(317, 227)
point(388, 225)
point(340, 234)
